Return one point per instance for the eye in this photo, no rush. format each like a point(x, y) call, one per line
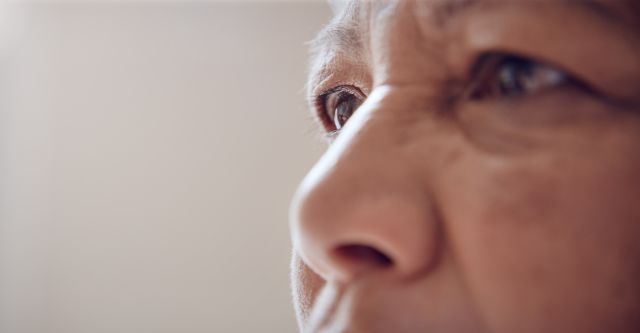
point(337, 106)
point(511, 76)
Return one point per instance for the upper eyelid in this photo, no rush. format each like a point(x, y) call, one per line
point(320, 100)
point(330, 84)
point(348, 88)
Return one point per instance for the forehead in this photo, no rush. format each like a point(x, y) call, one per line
point(354, 18)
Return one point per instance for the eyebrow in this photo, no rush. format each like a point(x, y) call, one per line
point(336, 35)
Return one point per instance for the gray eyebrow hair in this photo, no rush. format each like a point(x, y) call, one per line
point(336, 35)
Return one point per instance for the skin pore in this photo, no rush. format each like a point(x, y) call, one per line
point(483, 170)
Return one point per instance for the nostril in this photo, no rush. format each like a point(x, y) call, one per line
point(361, 256)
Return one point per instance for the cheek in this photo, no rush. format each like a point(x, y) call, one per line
point(550, 238)
point(306, 285)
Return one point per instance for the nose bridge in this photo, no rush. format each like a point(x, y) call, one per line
point(400, 52)
point(362, 206)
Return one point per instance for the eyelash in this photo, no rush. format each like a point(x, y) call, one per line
point(341, 93)
point(480, 86)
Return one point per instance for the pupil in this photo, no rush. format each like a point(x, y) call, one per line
point(514, 77)
point(343, 112)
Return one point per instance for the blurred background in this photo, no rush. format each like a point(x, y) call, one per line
point(148, 152)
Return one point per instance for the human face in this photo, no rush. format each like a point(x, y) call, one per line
point(488, 179)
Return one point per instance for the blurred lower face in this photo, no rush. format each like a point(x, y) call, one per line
point(483, 172)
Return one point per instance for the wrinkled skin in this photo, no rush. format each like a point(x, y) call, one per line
point(432, 212)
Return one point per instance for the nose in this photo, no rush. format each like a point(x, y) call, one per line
point(364, 207)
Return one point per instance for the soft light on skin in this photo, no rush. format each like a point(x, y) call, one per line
point(434, 212)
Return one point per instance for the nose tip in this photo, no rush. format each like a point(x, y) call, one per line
point(371, 236)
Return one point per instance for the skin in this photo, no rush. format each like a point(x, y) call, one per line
point(432, 212)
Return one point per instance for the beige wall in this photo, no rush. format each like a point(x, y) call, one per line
point(148, 153)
